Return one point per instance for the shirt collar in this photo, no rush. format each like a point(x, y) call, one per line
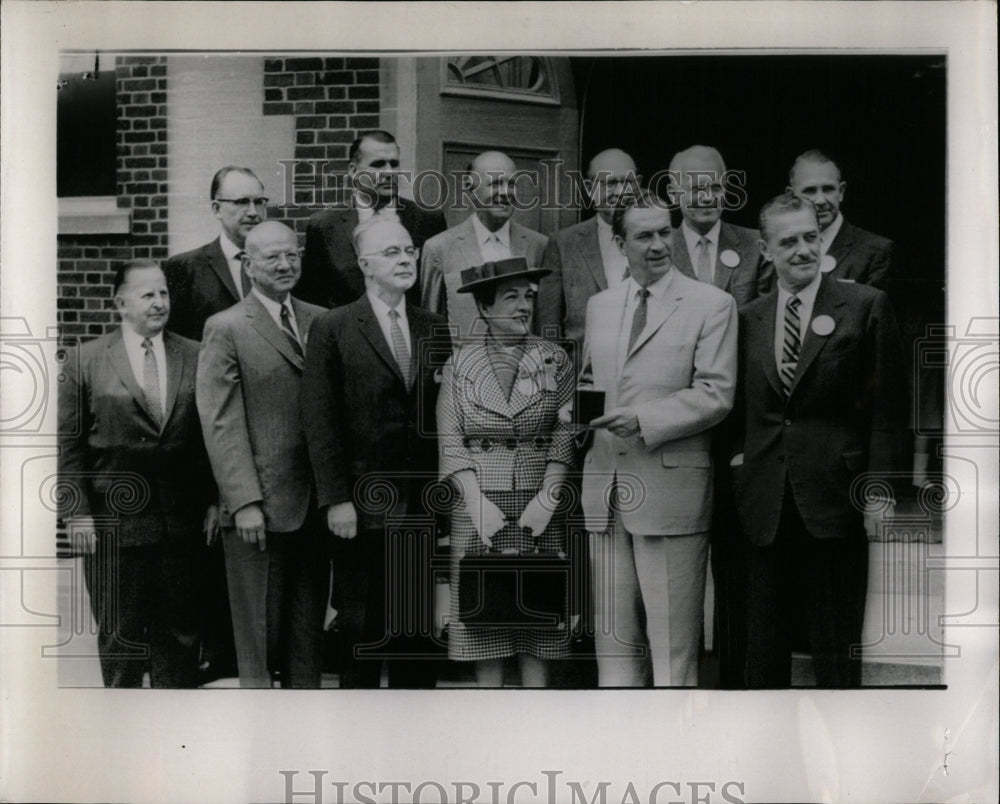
point(807, 294)
point(832, 230)
point(134, 340)
point(691, 237)
point(483, 234)
point(657, 289)
point(382, 309)
point(273, 307)
point(604, 228)
point(229, 248)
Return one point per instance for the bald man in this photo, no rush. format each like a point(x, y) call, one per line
point(705, 247)
point(583, 258)
point(249, 373)
point(487, 235)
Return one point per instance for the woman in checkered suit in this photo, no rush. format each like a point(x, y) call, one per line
point(505, 450)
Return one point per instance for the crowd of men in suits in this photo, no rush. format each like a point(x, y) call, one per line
point(751, 378)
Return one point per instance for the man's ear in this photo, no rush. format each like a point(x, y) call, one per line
point(621, 245)
point(762, 245)
point(843, 191)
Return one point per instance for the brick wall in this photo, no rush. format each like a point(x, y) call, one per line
point(331, 99)
point(86, 263)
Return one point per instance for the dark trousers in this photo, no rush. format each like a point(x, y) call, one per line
point(218, 650)
point(144, 602)
point(729, 559)
point(383, 593)
point(822, 580)
point(278, 596)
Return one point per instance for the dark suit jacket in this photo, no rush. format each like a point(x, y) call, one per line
point(157, 482)
point(248, 400)
point(741, 281)
point(330, 273)
point(359, 416)
point(200, 286)
point(574, 256)
point(862, 256)
point(844, 417)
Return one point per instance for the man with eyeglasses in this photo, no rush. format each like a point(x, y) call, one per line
point(330, 273)
point(203, 282)
point(368, 407)
point(249, 374)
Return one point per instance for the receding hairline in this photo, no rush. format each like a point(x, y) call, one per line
point(817, 157)
point(694, 151)
point(608, 152)
point(365, 228)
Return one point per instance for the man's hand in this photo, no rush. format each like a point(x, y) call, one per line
point(623, 422)
point(487, 519)
point(82, 534)
point(537, 513)
point(342, 520)
point(211, 525)
point(249, 521)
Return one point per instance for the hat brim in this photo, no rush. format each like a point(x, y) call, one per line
point(532, 275)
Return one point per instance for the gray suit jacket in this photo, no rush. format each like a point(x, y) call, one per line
point(248, 401)
point(744, 280)
point(446, 255)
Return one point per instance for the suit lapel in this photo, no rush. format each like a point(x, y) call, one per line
point(518, 241)
point(372, 332)
point(119, 361)
point(261, 321)
point(465, 233)
point(176, 366)
point(657, 313)
point(828, 303)
point(764, 345)
point(217, 262)
point(590, 252)
point(487, 390)
point(679, 254)
point(841, 249)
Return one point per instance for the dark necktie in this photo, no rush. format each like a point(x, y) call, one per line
point(399, 349)
point(638, 318)
point(151, 382)
point(286, 327)
point(244, 279)
point(790, 348)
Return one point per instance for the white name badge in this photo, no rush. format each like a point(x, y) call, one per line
point(827, 264)
point(729, 258)
point(823, 325)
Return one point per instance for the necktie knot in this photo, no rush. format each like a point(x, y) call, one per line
point(394, 315)
point(147, 344)
point(794, 302)
point(644, 294)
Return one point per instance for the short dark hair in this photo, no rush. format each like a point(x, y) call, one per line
point(485, 294)
point(643, 200)
point(376, 134)
point(786, 202)
point(125, 268)
point(223, 172)
point(813, 155)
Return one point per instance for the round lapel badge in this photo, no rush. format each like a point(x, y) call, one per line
point(823, 325)
point(827, 263)
point(729, 258)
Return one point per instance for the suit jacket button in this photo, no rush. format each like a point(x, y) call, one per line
point(788, 422)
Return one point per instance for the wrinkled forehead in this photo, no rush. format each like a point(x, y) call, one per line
point(239, 185)
point(382, 235)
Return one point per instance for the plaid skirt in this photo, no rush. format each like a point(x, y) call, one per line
point(476, 642)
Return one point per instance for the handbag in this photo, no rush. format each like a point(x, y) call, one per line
point(526, 589)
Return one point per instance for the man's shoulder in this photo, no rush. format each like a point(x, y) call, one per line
point(229, 317)
point(745, 236)
point(194, 254)
point(328, 216)
point(709, 295)
point(570, 233)
point(533, 236)
point(418, 210)
point(444, 239)
point(88, 350)
point(313, 310)
point(182, 343)
point(875, 241)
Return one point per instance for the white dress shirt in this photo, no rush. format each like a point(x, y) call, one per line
point(492, 245)
point(230, 250)
point(657, 293)
point(829, 234)
point(274, 310)
point(691, 238)
point(137, 356)
point(615, 263)
point(382, 316)
point(808, 298)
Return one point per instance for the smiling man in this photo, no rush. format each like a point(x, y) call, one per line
point(487, 235)
point(821, 401)
point(662, 347)
point(249, 375)
point(846, 251)
point(368, 407)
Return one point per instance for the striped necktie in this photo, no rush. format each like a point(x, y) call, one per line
point(790, 348)
point(286, 327)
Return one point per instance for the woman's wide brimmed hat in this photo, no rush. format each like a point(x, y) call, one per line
point(500, 271)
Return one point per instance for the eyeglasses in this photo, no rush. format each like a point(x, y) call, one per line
point(274, 260)
point(244, 203)
point(392, 252)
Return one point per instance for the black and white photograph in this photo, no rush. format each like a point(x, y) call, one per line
point(627, 376)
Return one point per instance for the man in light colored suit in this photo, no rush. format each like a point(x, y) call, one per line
point(662, 347)
point(249, 373)
point(847, 251)
point(129, 431)
point(487, 235)
point(583, 258)
point(705, 247)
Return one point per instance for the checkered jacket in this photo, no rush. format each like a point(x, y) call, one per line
point(507, 443)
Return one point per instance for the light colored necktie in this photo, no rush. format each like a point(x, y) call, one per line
point(790, 348)
point(638, 318)
point(401, 353)
point(151, 382)
point(286, 327)
point(703, 270)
